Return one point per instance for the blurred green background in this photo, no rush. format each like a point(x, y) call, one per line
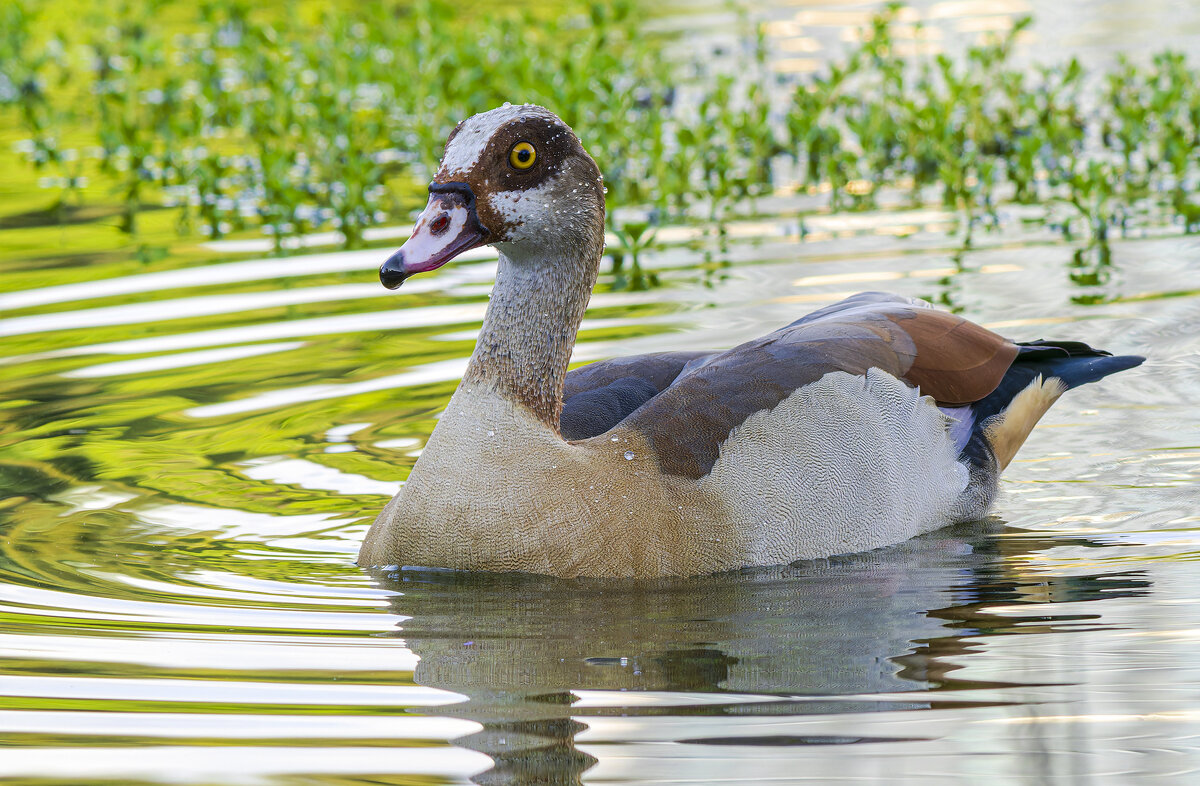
point(225, 118)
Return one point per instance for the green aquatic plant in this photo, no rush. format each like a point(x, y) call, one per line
point(139, 110)
point(31, 72)
point(246, 117)
point(1171, 93)
point(983, 130)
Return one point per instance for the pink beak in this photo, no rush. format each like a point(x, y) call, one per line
point(446, 227)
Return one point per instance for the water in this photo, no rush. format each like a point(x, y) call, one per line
point(191, 453)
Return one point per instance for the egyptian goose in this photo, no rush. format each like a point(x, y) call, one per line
point(858, 426)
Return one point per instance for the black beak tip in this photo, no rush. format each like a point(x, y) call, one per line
point(391, 273)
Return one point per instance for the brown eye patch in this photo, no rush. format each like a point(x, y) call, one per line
point(525, 152)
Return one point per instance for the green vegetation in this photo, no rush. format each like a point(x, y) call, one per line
point(985, 130)
point(239, 117)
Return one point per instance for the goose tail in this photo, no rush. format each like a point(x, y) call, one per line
point(1000, 423)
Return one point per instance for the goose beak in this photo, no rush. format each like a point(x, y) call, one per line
point(447, 227)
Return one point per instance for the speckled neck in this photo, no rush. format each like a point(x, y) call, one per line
point(529, 331)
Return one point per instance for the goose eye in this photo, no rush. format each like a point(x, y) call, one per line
point(522, 155)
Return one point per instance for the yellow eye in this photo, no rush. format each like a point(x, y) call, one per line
point(522, 155)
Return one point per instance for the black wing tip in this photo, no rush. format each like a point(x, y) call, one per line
point(1133, 361)
point(1044, 348)
point(1076, 371)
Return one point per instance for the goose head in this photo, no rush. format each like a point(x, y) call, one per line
point(516, 178)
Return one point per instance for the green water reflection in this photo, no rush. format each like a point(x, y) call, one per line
point(839, 652)
point(191, 449)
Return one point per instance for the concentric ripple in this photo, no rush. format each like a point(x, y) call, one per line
point(189, 457)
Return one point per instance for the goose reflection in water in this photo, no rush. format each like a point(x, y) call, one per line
point(740, 663)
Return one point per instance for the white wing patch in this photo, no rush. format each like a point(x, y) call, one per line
point(845, 464)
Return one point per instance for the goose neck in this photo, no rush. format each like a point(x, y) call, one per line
point(530, 327)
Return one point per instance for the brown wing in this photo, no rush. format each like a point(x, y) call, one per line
point(948, 358)
point(957, 362)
